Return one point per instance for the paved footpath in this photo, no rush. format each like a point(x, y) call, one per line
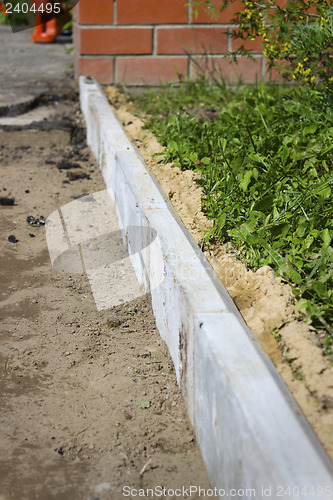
point(29, 69)
point(90, 409)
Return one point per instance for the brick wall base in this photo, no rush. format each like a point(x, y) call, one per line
point(141, 42)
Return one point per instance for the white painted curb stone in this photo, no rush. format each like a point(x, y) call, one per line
point(251, 433)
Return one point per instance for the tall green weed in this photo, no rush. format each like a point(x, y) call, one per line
point(266, 170)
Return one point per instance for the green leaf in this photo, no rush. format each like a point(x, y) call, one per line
point(296, 277)
point(264, 204)
point(258, 158)
point(221, 220)
point(222, 142)
point(252, 239)
point(287, 140)
point(246, 180)
point(325, 234)
point(302, 227)
point(320, 288)
point(326, 150)
point(325, 193)
point(302, 305)
point(280, 229)
point(310, 129)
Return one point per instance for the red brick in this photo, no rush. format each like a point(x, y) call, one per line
point(114, 40)
point(246, 70)
point(281, 3)
point(96, 12)
point(312, 10)
point(99, 68)
point(191, 40)
point(151, 11)
point(273, 75)
point(253, 45)
point(222, 17)
point(140, 70)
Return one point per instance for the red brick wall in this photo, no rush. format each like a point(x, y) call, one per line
point(152, 41)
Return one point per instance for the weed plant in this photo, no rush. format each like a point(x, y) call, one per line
point(266, 168)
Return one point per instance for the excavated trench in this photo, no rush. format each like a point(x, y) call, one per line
point(89, 398)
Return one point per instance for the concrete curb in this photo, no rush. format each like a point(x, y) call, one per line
point(251, 433)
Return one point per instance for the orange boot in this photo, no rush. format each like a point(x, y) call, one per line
point(48, 25)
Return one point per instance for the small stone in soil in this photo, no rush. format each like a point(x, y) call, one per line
point(36, 221)
point(74, 176)
point(67, 165)
point(12, 239)
point(7, 201)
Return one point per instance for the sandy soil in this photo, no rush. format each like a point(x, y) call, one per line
point(264, 300)
point(89, 401)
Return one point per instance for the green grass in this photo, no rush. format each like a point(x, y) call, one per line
point(266, 170)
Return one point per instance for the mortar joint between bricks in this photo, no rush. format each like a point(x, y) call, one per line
point(114, 70)
point(229, 40)
point(263, 68)
point(114, 12)
point(189, 13)
point(154, 41)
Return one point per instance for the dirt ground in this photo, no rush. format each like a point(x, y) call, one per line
point(264, 300)
point(89, 400)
